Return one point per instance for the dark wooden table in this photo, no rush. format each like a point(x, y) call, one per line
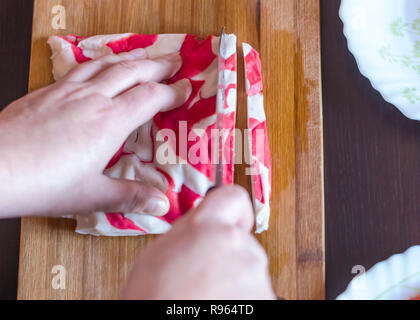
point(372, 167)
point(372, 152)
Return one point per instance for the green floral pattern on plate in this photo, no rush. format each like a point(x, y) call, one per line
point(411, 95)
point(400, 29)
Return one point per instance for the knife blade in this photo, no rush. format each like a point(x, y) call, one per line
point(220, 110)
point(218, 169)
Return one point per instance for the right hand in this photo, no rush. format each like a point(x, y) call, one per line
point(208, 254)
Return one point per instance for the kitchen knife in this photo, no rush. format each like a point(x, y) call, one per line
point(220, 114)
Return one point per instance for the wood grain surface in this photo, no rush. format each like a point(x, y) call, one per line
point(287, 33)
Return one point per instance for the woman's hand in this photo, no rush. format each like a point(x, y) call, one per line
point(208, 254)
point(56, 141)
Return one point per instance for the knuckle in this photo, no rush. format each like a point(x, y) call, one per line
point(105, 112)
point(195, 220)
point(99, 108)
point(129, 66)
point(95, 62)
point(74, 91)
point(236, 192)
point(107, 61)
point(144, 66)
point(231, 233)
point(70, 90)
point(237, 195)
point(109, 58)
point(147, 65)
point(81, 68)
point(154, 88)
point(100, 100)
point(65, 86)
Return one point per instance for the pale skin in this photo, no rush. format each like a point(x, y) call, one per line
point(56, 142)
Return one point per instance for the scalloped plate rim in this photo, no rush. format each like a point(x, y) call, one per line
point(364, 71)
point(411, 254)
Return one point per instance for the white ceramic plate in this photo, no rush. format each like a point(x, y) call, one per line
point(384, 36)
point(397, 278)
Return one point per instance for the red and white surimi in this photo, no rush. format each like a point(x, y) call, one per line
point(258, 139)
point(185, 182)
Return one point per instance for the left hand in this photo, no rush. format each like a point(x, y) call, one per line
point(56, 141)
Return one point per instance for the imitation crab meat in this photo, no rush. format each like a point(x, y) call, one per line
point(185, 182)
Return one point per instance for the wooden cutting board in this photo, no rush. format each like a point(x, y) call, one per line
point(287, 34)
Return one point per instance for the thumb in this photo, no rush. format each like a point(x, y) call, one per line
point(229, 205)
point(120, 195)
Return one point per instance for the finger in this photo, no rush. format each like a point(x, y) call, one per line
point(128, 73)
point(129, 196)
point(140, 104)
point(87, 70)
point(229, 205)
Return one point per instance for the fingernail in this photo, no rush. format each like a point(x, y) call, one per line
point(138, 53)
point(156, 206)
